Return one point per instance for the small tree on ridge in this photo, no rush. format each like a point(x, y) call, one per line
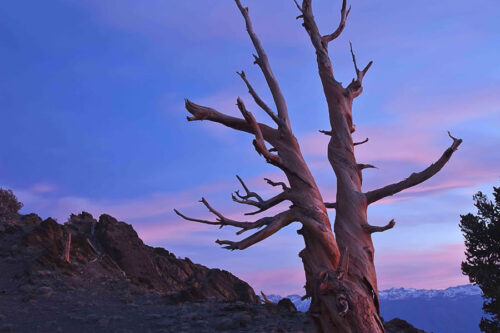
point(482, 252)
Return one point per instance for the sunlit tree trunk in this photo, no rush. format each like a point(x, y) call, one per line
point(339, 263)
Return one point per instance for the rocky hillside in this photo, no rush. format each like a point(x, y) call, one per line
point(111, 250)
point(110, 281)
point(93, 275)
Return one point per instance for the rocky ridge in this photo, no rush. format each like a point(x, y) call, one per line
point(92, 275)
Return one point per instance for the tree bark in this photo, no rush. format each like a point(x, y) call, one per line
point(339, 264)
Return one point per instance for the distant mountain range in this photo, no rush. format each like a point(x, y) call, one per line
point(451, 310)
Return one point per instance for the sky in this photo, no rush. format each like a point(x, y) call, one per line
point(93, 119)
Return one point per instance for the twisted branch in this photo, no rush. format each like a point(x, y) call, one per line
point(263, 205)
point(273, 224)
point(221, 220)
point(274, 184)
point(248, 193)
point(259, 143)
point(414, 178)
point(200, 112)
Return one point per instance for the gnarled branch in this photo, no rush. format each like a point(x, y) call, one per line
point(263, 205)
point(200, 112)
point(257, 98)
point(273, 225)
point(248, 194)
point(343, 17)
point(356, 87)
point(263, 62)
point(274, 184)
point(414, 178)
point(324, 63)
point(221, 220)
point(372, 228)
point(259, 143)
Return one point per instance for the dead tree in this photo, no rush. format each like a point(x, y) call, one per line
point(339, 267)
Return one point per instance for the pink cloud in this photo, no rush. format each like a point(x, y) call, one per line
point(282, 281)
point(437, 267)
point(396, 145)
point(43, 188)
point(453, 108)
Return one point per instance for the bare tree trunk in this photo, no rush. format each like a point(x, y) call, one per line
point(339, 269)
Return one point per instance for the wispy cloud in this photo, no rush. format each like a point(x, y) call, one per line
point(438, 267)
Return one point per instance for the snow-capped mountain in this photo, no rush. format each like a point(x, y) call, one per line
point(453, 310)
point(451, 292)
point(399, 294)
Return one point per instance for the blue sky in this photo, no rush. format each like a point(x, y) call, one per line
point(93, 119)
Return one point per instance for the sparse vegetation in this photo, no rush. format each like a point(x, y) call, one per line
point(9, 205)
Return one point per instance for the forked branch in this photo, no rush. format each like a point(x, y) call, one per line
point(248, 194)
point(414, 178)
point(221, 220)
point(259, 142)
point(263, 205)
point(263, 62)
point(356, 86)
point(272, 225)
point(343, 17)
point(257, 98)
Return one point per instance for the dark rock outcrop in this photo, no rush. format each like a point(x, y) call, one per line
point(111, 250)
point(113, 282)
point(397, 325)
